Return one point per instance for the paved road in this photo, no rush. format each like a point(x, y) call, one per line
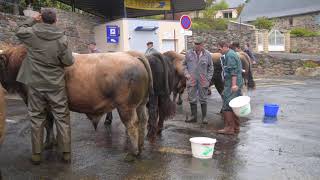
point(287, 148)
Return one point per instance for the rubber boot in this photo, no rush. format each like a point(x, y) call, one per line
point(36, 159)
point(229, 123)
point(204, 113)
point(236, 123)
point(193, 118)
point(66, 157)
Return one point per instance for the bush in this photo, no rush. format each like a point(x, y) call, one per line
point(263, 23)
point(303, 32)
point(209, 24)
point(310, 64)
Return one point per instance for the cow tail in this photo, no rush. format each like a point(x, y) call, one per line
point(146, 64)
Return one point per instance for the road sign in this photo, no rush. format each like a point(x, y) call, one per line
point(185, 22)
point(113, 33)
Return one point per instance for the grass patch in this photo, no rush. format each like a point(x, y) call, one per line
point(311, 64)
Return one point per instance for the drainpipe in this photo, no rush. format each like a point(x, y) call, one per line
point(73, 5)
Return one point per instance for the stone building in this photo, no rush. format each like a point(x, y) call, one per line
point(287, 14)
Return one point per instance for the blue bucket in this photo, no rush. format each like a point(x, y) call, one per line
point(271, 110)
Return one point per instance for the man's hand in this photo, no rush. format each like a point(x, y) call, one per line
point(188, 76)
point(234, 88)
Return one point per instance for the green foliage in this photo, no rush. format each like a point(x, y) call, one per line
point(37, 4)
point(303, 32)
point(310, 64)
point(296, 50)
point(209, 24)
point(263, 23)
point(211, 10)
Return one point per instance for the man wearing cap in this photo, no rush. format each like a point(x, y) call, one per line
point(198, 69)
point(93, 48)
point(150, 49)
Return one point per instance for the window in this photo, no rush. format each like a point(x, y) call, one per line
point(291, 21)
point(317, 18)
point(227, 15)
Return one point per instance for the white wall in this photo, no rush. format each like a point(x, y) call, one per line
point(167, 37)
point(101, 37)
point(138, 39)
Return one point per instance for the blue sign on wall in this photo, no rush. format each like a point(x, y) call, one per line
point(113, 33)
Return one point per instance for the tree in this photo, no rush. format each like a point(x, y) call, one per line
point(263, 23)
point(211, 10)
point(37, 4)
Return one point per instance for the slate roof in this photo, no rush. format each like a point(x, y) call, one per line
point(278, 8)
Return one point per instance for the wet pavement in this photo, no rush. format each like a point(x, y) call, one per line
point(285, 148)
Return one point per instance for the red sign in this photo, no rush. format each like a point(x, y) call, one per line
point(185, 22)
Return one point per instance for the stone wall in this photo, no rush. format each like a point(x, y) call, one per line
point(213, 37)
point(310, 45)
point(78, 28)
point(271, 66)
point(309, 21)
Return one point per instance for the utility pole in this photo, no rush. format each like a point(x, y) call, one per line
point(125, 15)
point(172, 9)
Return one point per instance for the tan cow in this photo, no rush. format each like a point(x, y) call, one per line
point(96, 84)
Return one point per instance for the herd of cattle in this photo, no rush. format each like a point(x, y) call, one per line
point(127, 81)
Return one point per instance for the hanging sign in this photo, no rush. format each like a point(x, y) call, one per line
point(148, 4)
point(113, 33)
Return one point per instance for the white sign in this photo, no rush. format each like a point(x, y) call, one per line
point(186, 32)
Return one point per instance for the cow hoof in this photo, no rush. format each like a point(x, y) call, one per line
point(130, 158)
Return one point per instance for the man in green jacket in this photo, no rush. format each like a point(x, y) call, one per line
point(232, 70)
point(43, 74)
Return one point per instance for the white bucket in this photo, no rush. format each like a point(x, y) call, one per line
point(241, 106)
point(202, 147)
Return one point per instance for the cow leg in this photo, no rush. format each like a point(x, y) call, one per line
point(180, 99)
point(175, 94)
point(50, 139)
point(153, 117)
point(108, 120)
point(160, 123)
point(167, 110)
point(142, 118)
point(130, 120)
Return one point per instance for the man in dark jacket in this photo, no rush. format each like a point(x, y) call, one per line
point(232, 70)
point(43, 74)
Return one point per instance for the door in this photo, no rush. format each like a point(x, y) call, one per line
point(276, 41)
